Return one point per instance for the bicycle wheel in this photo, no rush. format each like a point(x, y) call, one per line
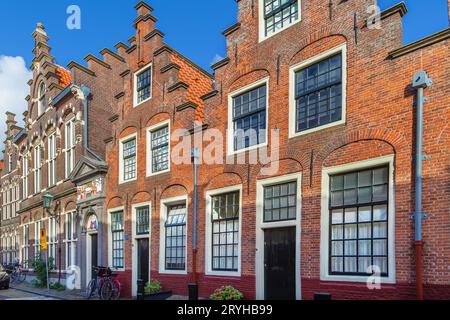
point(107, 290)
point(21, 277)
point(116, 290)
point(90, 289)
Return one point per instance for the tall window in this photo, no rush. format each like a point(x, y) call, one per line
point(143, 85)
point(52, 160)
point(176, 238)
point(10, 163)
point(71, 239)
point(70, 147)
point(160, 149)
point(359, 222)
point(25, 177)
point(37, 238)
point(129, 159)
point(142, 220)
point(117, 232)
point(225, 232)
point(52, 238)
point(279, 14)
point(26, 245)
point(318, 94)
point(280, 202)
point(249, 118)
point(42, 103)
point(37, 169)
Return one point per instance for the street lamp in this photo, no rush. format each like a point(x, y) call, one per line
point(55, 213)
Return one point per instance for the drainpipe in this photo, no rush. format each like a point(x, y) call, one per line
point(193, 288)
point(87, 92)
point(420, 82)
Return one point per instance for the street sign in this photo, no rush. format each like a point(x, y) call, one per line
point(43, 239)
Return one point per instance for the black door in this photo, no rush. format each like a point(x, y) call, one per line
point(279, 264)
point(143, 259)
point(94, 252)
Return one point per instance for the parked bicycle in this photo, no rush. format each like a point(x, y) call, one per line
point(16, 271)
point(103, 285)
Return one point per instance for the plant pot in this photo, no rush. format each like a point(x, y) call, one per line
point(158, 296)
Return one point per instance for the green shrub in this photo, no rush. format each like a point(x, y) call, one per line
point(152, 287)
point(57, 286)
point(227, 293)
point(40, 267)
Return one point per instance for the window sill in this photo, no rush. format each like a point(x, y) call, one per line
point(326, 126)
point(127, 181)
point(135, 105)
point(175, 272)
point(355, 279)
point(252, 148)
point(263, 37)
point(153, 174)
point(231, 274)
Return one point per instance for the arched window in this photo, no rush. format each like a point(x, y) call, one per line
point(42, 104)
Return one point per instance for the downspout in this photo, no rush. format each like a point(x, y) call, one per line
point(193, 288)
point(86, 93)
point(420, 82)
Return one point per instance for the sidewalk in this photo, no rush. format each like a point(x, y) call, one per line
point(63, 295)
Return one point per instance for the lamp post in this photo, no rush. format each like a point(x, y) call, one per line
point(54, 213)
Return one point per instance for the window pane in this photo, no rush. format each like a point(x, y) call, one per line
point(176, 238)
point(280, 202)
point(160, 149)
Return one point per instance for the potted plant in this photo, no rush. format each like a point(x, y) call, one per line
point(154, 291)
point(227, 293)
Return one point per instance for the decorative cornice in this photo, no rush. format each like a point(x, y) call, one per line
point(114, 118)
point(74, 64)
point(119, 95)
point(143, 4)
point(186, 105)
point(399, 7)
point(125, 73)
point(220, 64)
point(146, 17)
point(209, 95)
point(178, 85)
point(231, 29)
point(195, 129)
point(164, 48)
point(152, 34)
point(108, 140)
point(113, 54)
point(170, 66)
point(121, 45)
point(131, 49)
point(95, 59)
point(422, 43)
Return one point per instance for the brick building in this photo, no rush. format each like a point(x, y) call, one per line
point(316, 86)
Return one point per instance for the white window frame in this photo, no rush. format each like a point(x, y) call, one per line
point(121, 162)
point(70, 145)
point(230, 130)
point(110, 247)
point(325, 222)
point(72, 240)
point(150, 130)
point(25, 252)
point(25, 177)
point(37, 237)
point(135, 93)
point(208, 232)
point(135, 237)
point(342, 48)
point(37, 169)
point(262, 24)
point(261, 226)
point(164, 210)
point(51, 162)
point(52, 238)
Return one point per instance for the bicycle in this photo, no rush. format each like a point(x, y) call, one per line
point(103, 285)
point(18, 275)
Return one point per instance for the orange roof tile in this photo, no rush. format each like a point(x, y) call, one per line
point(65, 77)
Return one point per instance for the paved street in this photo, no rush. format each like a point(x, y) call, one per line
point(12, 294)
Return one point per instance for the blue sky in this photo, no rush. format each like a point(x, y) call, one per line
point(193, 27)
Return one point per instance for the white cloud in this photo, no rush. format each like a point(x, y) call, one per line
point(14, 76)
point(216, 58)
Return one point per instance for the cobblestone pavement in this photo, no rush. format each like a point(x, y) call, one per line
point(13, 294)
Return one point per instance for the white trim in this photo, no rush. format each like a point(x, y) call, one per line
point(121, 169)
point(230, 127)
point(261, 226)
point(208, 232)
point(292, 104)
point(51, 158)
point(324, 224)
point(165, 203)
point(110, 264)
point(262, 25)
point(135, 237)
point(70, 145)
point(150, 130)
point(136, 74)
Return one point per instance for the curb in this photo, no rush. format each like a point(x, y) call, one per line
point(40, 294)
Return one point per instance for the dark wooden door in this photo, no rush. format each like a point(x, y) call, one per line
point(143, 259)
point(94, 251)
point(279, 264)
